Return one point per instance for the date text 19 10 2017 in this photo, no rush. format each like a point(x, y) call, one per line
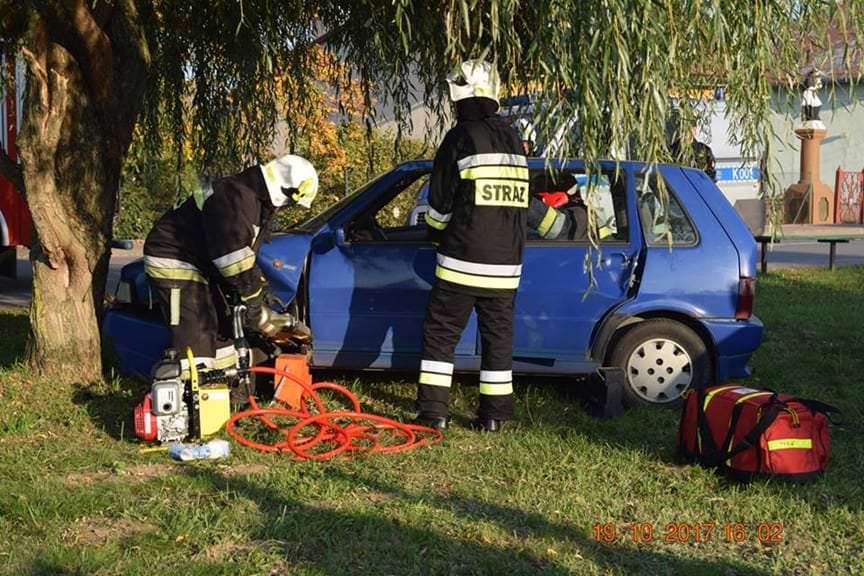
point(690, 532)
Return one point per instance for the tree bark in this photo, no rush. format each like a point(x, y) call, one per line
point(63, 177)
point(75, 134)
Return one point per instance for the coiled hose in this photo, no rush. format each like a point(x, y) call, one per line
point(322, 434)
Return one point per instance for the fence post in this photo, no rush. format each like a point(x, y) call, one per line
point(837, 196)
point(861, 198)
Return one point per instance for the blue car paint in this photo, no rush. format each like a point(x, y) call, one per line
point(734, 342)
point(681, 278)
point(556, 313)
point(734, 228)
point(367, 300)
point(136, 341)
point(282, 261)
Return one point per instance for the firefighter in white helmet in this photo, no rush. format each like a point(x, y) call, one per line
point(478, 200)
point(209, 242)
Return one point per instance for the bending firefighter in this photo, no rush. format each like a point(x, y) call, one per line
point(209, 243)
point(478, 200)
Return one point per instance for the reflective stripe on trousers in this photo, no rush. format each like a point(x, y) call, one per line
point(446, 317)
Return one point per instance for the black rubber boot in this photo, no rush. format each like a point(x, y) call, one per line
point(436, 422)
point(487, 425)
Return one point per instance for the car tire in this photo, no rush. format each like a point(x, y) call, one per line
point(661, 360)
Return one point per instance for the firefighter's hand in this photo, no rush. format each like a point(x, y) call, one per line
point(433, 235)
point(254, 313)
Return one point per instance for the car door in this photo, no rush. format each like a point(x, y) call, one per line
point(568, 287)
point(369, 284)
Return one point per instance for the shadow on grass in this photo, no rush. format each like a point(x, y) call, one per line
point(337, 542)
point(46, 567)
point(381, 390)
point(14, 325)
point(811, 349)
point(110, 405)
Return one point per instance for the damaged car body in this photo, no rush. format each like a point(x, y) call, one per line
point(667, 294)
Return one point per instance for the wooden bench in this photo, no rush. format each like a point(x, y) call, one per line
point(832, 250)
point(763, 252)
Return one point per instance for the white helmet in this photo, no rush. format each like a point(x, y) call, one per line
point(473, 79)
point(290, 177)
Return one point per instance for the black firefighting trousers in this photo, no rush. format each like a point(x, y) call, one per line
point(446, 317)
point(190, 310)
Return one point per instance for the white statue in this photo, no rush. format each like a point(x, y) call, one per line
point(810, 102)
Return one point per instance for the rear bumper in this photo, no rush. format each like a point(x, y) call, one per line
point(734, 344)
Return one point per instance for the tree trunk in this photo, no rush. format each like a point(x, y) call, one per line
point(89, 65)
point(70, 183)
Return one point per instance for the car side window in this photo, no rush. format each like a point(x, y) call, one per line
point(397, 212)
point(574, 194)
point(392, 218)
point(663, 222)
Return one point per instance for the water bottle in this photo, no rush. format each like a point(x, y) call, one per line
point(212, 450)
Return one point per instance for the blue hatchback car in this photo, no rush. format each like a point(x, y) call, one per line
point(667, 295)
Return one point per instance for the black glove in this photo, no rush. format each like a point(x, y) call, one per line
point(254, 310)
point(433, 235)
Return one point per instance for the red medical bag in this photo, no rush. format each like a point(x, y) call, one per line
point(751, 433)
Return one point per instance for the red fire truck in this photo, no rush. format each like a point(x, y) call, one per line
point(15, 222)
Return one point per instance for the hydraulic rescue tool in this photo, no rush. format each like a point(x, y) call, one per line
point(191, 404)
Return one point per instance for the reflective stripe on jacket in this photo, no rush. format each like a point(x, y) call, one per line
point(478, 199)
point(214, 232)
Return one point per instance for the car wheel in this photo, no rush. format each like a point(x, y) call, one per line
point(662, 359)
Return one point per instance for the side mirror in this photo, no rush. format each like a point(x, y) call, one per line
point(339, 237)
point(122, 244)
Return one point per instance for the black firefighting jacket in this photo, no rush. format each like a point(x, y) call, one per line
point(478, 200)
point(214, 235)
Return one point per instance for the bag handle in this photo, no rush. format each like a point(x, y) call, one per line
point(823, 407)
point(752, 437)
point(706, 439)
point(716, 457)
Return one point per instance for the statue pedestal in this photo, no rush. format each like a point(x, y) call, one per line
point(809, 201)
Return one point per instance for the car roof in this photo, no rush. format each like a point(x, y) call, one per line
point(539, 163)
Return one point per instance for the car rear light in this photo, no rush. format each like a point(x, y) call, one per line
point(746, 298)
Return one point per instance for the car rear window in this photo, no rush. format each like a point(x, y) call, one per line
point(664, 220)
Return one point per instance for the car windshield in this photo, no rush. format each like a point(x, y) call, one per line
point(316, 222)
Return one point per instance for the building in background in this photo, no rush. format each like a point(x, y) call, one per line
point(843, 146)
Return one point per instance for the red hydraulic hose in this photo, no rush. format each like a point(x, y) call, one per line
point(325, 434)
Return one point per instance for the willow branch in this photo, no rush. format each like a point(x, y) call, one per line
point(99, 64)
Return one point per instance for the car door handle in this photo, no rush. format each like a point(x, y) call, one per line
point(622, 257)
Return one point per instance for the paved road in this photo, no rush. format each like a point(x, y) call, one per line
point(784, 255)
point(804, 253)
point(17, 292)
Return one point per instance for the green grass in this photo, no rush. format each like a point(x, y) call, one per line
point(13, 333)
point(77, 498)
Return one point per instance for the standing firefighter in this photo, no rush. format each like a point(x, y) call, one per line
point(211, 240)
point(478, 200)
